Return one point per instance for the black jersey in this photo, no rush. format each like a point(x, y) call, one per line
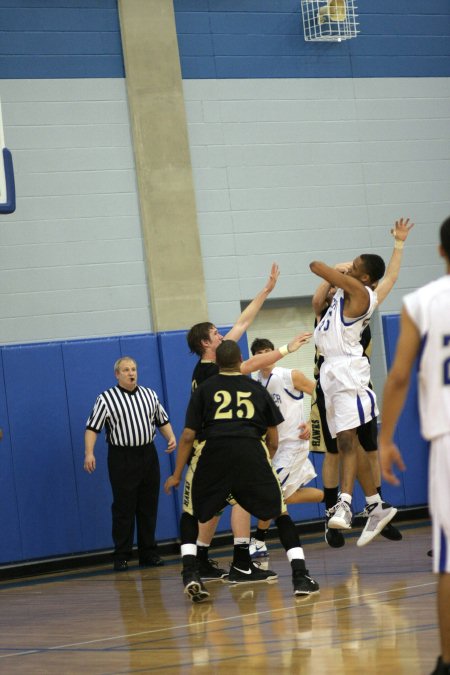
point(203, 371)
point(231, 405)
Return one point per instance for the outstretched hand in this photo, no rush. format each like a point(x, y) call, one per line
point(298, 341)
point(272, 281)
point(390, 455)
point(401, 229)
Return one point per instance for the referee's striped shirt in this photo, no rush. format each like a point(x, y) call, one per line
point(130, 417)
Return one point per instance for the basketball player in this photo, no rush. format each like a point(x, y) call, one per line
point(230, 414)
point(287, 387)
point(367, 433)
point(203, 340)
point(425, 333)
point(344, 378)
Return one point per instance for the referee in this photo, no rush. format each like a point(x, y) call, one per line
point(130, 414)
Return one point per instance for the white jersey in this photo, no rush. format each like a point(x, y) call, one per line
point(429, 309)
point(290, 403)
point(337, 335)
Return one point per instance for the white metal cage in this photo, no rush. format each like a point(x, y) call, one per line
point(329, 20)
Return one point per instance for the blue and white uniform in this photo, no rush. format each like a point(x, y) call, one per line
point(290, 461)
point(429, 309)
point(345, 373)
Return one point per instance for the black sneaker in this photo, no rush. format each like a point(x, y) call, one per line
point(153, 560)
point(303, 583)
point(334, 538)
point(390, 532)
point(193, 586)
point(252, 574)
point(120, 565)
point(441, 668)
point(209, 570)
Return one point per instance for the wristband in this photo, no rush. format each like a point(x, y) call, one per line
point(399, 244)
point(284, 350)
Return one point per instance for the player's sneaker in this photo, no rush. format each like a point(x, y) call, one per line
point(193, 586)
point(388, 532)
point(303, 583)
point(258, 549)
point(209, 570)
point(378, 516)
point(341, 518)
point(392, 533)
point(252, 574)
point(334, 538)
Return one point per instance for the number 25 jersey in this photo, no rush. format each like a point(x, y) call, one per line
point(231, 405)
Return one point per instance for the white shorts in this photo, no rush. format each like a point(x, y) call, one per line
point(349, 400)
point(439, 501)
point(293, 476)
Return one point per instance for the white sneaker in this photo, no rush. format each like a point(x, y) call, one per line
point(341, 516)
point(378, 516)
point(258, 549)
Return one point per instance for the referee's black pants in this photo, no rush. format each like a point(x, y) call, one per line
point(135, 477)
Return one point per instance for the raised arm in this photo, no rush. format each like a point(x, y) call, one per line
point(302, 383)
point(259, 361)
point(400, 232)
point(356, 294)
point(320, 297)
point(253, 308)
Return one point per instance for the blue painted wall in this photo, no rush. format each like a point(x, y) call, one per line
point(264, 39)
point(60, 39)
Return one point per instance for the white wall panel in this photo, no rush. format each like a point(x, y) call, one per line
point(321, 168)
point(72, 256)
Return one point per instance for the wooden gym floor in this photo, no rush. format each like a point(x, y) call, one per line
point(375, 613)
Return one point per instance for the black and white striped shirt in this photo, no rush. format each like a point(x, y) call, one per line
point(130, 417)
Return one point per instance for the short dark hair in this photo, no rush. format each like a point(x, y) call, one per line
point(228, 354)
point(259, 344)
point(198, 332)
point(445, 236)
point(373, 266)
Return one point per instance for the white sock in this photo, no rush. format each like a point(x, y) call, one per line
point(295, 554)
point(188, 549)
point(374, 499)
point(345, 497)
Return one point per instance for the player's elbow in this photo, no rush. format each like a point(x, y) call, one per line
point(313, 266)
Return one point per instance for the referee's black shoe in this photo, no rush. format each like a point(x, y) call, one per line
point(153, 560)
point(249, 575)
point(120, 565)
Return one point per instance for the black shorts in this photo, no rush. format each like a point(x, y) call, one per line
point(367, 433)
point(228, 470)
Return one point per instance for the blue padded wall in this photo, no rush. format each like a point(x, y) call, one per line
point(88, 367)
point(42, 451)
point(414, 448)
point(11, 548)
